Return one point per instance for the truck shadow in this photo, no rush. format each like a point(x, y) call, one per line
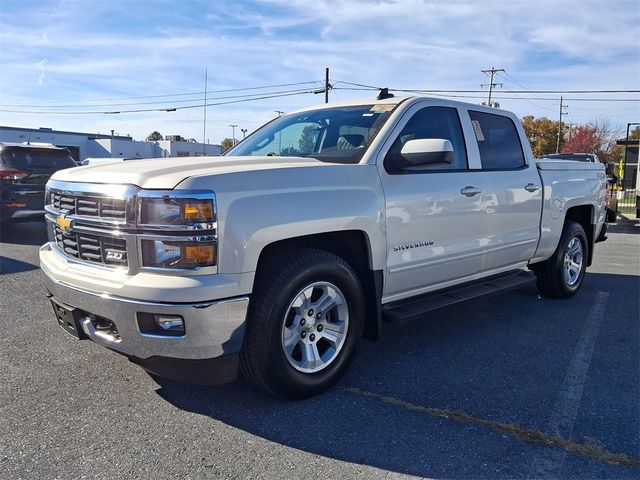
point(10, 265)
point(503, 360)
point(625, 225)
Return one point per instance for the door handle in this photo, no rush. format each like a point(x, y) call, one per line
point(470, 191)
point(530, 187)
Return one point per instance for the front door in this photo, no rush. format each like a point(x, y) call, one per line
point(435, 231)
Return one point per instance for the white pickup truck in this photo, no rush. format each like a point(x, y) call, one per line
point(277, 258)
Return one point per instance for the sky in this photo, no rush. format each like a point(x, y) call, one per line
point(76, 56)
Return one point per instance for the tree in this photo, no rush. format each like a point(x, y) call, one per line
point(226, 144)
point(542, 134)
point(583, 140)
point(154, 136)
point(595, 137)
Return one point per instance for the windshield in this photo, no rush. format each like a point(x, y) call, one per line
point(36, 160)
point(338, 135)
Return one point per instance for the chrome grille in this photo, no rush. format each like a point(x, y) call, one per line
point(87, 206)
point(94, 248)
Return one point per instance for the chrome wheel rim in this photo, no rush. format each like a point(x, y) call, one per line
point(573, 262)
point(315, 327)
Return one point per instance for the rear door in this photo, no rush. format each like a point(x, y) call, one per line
point(511, 188)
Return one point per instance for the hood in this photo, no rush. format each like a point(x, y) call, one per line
point(166, 173)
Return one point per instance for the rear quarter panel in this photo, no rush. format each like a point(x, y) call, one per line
point(568, 184)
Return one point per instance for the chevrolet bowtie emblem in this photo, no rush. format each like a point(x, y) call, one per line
point(63, 222)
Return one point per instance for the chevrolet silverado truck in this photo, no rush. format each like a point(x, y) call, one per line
point(278, 258)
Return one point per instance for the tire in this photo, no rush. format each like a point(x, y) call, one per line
point(562, 275)
point(310, 297)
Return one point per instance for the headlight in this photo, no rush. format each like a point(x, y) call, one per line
point(178, 254)
point(177, 229)
point(173, 211)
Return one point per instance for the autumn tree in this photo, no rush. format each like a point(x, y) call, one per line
point(595, 137)
point(583, 140)
point(542, 134)
point(154, 136)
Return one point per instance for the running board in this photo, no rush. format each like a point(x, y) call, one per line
point(408, 310)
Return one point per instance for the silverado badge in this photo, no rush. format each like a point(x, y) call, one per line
point(64, 223)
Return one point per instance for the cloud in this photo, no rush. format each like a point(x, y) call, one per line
point(125, 49)
point(41, 67)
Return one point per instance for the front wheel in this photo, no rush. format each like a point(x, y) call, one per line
point(561, 275)
point(304, 325)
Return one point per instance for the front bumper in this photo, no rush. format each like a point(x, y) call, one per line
point(214, 332)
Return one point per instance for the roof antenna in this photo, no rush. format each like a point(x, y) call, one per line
point(384, 93)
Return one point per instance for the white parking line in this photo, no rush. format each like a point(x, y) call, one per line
point(548, 462)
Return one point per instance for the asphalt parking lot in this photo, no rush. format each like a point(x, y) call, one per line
point(513, 386)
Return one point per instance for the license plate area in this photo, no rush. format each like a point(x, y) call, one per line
point(69, 319)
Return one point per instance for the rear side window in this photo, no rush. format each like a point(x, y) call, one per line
point(498, 141)
point(36, 160)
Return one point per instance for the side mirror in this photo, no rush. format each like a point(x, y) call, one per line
point(425, 151)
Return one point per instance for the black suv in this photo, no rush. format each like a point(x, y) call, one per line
point(24, 172)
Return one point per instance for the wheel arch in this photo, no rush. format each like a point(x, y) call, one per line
point(354, 247)
point(584, 215)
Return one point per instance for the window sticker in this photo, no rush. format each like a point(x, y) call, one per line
point(478, 129)
point(387, 107)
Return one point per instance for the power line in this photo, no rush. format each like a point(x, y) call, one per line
point(425, 90)
point(248, 95)
point(315, 82)
point(510, 79)
point(168, 109)
point(578, 99)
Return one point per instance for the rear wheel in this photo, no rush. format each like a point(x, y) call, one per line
point(305, 322)
point(561, 275)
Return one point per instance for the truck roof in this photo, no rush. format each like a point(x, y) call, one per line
point(404, 99)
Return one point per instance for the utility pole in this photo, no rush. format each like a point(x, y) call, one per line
point(204, 120)
point(244, 132)
point(233, 134)
point(326, 85)
point(562, 112)
point(491, 71)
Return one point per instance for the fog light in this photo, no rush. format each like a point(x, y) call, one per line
point(161, 325)
point(171, 323)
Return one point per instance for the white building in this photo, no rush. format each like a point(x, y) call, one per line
point(96, 145)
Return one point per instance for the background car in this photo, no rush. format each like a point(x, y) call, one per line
point(25, 169)
point(580, 157)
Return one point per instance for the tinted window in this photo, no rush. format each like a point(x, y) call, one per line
point(36, 160)
point(498, 141)
point(432, 122)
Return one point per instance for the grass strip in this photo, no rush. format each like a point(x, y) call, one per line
point(530, 435)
